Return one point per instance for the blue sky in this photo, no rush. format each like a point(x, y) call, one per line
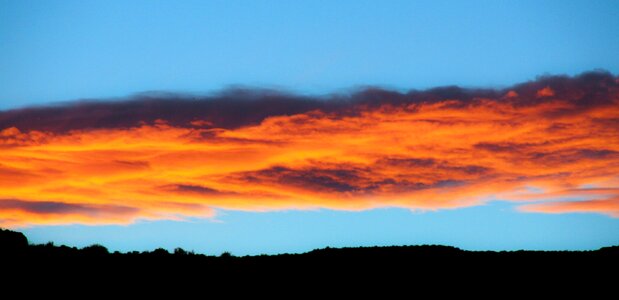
point(53, 51)
point(65, 50)
point(496, 226)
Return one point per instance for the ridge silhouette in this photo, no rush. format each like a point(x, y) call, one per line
point(427, 264)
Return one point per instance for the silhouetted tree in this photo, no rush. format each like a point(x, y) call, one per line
point(11, 241)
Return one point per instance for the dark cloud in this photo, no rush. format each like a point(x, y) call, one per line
point(192, 188)
point(597, 153)
point(411, 163)
point(498, 147)
point(536, 153)
point(416, 164)
point(587, 89)
point(228, 110)
point(347, 178)
point(560, 157)
point(317, 179)
point(240, 107)
point(54, 207)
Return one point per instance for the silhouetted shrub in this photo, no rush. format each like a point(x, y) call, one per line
point(160, 252)
point(95, 250)
point(180, 251)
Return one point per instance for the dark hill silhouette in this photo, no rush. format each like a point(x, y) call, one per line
point(418, 265)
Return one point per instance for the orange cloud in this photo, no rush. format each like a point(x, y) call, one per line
point(363, 153)
point(545, 92)
point(511, 94)
point(606, 206)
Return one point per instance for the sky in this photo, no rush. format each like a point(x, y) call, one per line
point(271, 126)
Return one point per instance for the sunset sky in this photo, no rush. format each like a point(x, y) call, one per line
point(276, 126)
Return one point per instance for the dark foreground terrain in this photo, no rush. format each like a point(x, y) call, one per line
point(400, 266)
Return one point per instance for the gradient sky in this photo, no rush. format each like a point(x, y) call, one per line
point(58, 51)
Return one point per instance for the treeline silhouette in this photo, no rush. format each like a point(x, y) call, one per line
point(425, 263)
